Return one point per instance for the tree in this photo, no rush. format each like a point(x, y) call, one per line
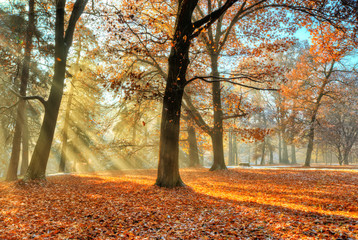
point(21, 120)
point(63, 42)
point(185, 31)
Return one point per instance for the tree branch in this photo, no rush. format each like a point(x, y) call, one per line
point(39, 98)
point(229, 80)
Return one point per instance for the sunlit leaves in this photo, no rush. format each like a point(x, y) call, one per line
point(254, 204)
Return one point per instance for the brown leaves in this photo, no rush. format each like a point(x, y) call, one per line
point(261, 204)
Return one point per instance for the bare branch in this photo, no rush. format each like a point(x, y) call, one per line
point(39, 98)
point(228, 80)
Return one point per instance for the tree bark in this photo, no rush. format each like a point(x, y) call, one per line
point(63, 160)
point(309, 147)
point(293, 154)
point(20, 117)
point(280, 148)
point(38, 164)
point(217, 131)
point(168, 166)
point(263, 153)
point(25, 144)
point(193, 148)
point(231, 150)
point(285, 152)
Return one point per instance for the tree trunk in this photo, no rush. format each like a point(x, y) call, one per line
point(20, 118)
point(285, 152)
point(168, 166)
point(293, 154)
point(346, 155)
point(231, 157)
point(217, 133)
point(314, 115)
point(193, 148)
point(235, 153)
point(63, 161)
point(263, 153)
point(25, 144)
point(38, 164)
point(279, 148)
point(309, 146)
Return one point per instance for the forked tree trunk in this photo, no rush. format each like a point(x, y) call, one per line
point(314, 116)
point(20, 117)
point(38, 164)
point(168, 166)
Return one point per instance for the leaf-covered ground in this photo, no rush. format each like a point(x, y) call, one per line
point(234, 204)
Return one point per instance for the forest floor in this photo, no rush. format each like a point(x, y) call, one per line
point(234, 204)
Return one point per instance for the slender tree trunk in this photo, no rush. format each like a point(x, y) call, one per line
point(316, 157)
point(217, 134)
point(20, 118)
point(279, 148)
point(38, 164)
point(309, 147)
point(235, 153)
point(25, 144)
point(231, 157)
point(293, 154)
point(314, 116)
point(263, 153)
point(63, 160)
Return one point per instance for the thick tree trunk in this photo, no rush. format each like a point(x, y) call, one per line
point(20, 118)
point(193, 148)
point(346, 155)
point(168, 166)
point(38, 164)
point(217, 133)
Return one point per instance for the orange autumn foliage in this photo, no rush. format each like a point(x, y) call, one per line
point(235, 204)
